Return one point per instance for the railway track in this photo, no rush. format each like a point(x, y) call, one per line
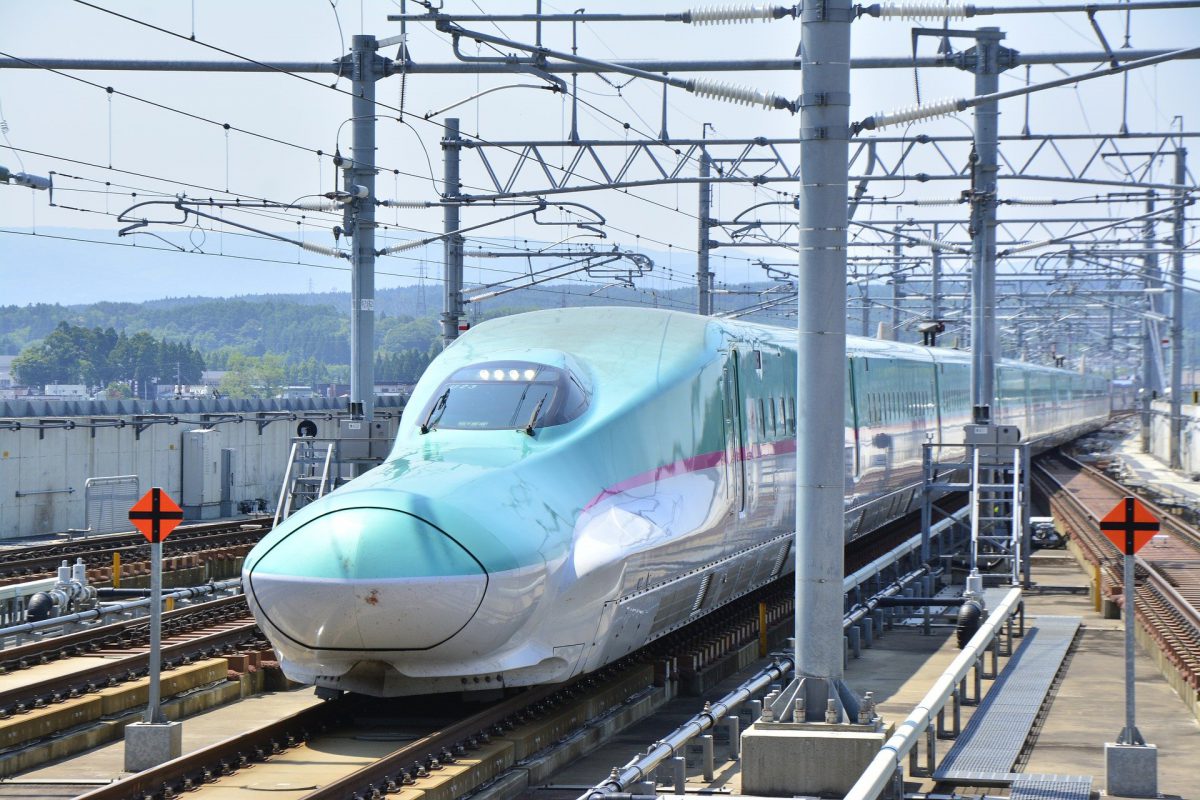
point(39, 561)
point(1167, 570)
point(198, 631)
point(439, 736)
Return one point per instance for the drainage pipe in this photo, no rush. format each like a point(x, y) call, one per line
point(120, 608)
point(640, 768)
point(881, 771)
point(878, 565)
point(860, 611)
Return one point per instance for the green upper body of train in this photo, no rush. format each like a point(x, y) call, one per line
point(567, 485)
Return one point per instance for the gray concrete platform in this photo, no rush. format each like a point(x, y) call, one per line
point(1086, 710)
point(1149, 469)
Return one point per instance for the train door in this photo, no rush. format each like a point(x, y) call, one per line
point(734, 434)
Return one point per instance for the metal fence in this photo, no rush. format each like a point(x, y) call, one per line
point(107, 501)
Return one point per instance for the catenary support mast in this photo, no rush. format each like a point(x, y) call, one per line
point(986, 67)
point(366, 68)
point(704, 224)
point(453, 243)
point(1176, 456)
point(821, 353)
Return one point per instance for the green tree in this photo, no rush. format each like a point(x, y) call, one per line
point(35, 366)
point(118, 391)
point(253, 376)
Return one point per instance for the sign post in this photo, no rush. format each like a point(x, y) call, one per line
point(1131, 764)
point(155, 740)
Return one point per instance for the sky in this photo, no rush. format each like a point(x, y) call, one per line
point(160, 135)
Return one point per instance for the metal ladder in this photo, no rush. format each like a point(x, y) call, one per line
point(996, 476)
point(999, 506)
point(302, 482)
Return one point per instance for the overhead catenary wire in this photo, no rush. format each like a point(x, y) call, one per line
point(377, 103)
point(680, 248)
point(636, 196)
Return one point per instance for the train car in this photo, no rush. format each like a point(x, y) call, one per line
point(569, 485)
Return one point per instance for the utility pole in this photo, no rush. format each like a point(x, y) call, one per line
point(366, 68)
point(453, 243)
point(1176, 456)
point(704, 224)
point(984, 60)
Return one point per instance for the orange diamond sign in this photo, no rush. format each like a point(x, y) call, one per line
point(155, 515)
point(1129, 525)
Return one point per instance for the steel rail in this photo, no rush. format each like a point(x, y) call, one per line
point(207, 764)
point(37, 693)
point(99, 612)
point(389, 768)
point(25, 563)
point(223, 757)
point(1146, 567)
point(48, 649)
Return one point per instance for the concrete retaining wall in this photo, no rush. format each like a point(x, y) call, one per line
point(44, 463)
point(1160, 434)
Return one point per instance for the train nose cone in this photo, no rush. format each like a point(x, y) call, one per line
point(350, 579)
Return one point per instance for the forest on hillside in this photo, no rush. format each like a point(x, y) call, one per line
point(264, 341)
point(293, 339)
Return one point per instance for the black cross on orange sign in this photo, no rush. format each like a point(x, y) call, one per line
point(155, 515)
point(1129, 525)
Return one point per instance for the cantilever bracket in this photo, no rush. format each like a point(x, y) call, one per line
point(1112, 58)
point(265, 418)
point(143, 421)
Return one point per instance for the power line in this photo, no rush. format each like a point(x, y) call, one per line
point(335, 88)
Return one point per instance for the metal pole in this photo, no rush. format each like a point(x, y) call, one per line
point(1130, 734)
point(935, 279)
point(1151, 380)
point(365, 71)
point(453, 244)
point(154, 713)
point(1176, 460)
point(704, 222)
point(897, 279)
point(821, 352)
point(866, 308)
point(983, 219)
point(1108, 342)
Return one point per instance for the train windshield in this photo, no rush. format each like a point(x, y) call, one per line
point(501, 395)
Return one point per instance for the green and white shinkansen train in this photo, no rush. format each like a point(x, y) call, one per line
point(568, 485)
